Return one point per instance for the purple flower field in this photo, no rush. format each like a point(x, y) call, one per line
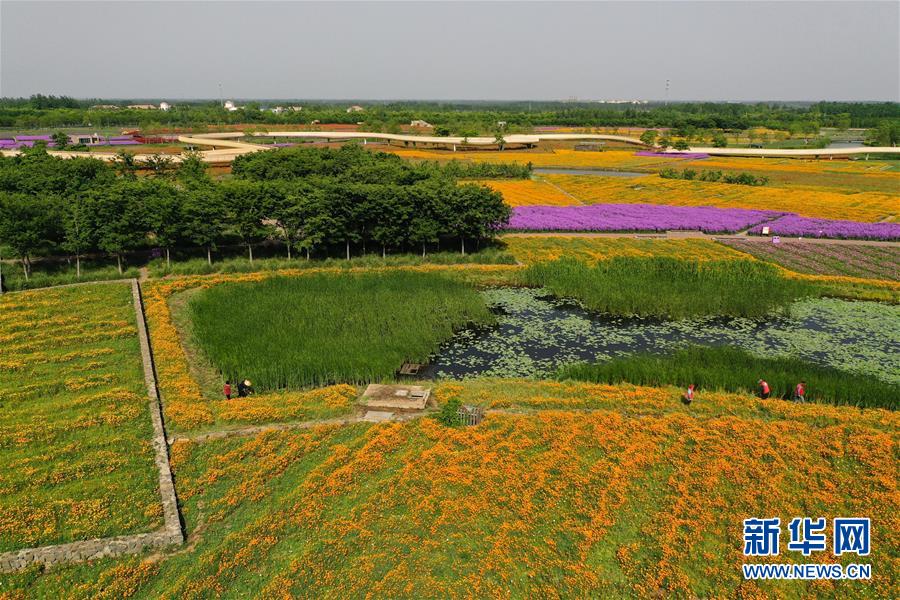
point(794, 225)
point(636, 217)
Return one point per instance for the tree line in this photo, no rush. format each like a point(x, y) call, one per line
point(307, 199)
point(458, 118)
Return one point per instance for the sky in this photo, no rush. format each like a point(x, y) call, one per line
point(714, 50)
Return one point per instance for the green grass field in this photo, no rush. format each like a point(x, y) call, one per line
point(328, 328)
point(75, 428)
point(735, 370)
point(669, 287)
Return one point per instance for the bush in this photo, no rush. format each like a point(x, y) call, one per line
point(449, 414)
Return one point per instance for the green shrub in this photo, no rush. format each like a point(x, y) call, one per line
point(669, 287)
point(449, 414)
point(735, 370)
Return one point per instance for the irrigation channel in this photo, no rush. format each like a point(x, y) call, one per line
point(536, 333)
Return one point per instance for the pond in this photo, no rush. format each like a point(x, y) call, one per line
point(537, 333)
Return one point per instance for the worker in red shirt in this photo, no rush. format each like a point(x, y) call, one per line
point(763, 389)
point(800, 392)
point(688, 395)
point(227, 390)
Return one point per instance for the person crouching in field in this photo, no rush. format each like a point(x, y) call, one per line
point(688, 396)
point(763, 389)
point(800, 392)
point(244, 388)
point(227, 390)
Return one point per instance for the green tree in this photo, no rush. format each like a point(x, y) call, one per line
point(60, 139)
point(246, 207)
point(164, 215)
point(203, 216)
point(79, 234)
point(29, 225)
point(719, 141)
point(125, 164)
point(681, 145)
point(120, 218)
point(160, 165)
point(192, 168)
point(649, 136)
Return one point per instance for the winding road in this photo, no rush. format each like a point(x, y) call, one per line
point(225, 147)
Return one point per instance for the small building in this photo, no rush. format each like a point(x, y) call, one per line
point(421, 123)
point(296, 108)
point(104, 107)
point(85, 138)
point(164, 106)
point(277, 110)
point(142, 106)
point(355, 108)
point(229, 106)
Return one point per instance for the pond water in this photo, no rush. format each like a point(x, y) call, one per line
point(603, 172)
point(537, 333)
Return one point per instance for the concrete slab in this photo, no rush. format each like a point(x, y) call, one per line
point(377, 416)
point(403, 397)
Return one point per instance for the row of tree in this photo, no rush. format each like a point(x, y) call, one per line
point(458, 117)
point(351, 197)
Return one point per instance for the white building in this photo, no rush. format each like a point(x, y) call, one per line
point(229, 106)
point(355, 108)
point(164, 106)
point(420, 123)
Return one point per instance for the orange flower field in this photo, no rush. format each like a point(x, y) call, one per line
point(606, 491)
point(522, 192)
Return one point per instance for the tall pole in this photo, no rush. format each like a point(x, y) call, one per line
point(667, 92)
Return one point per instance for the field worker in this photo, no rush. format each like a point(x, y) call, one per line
point(242, 388)
point(763, 389)
point(800, 392)
point(688, 395)
point(249, 387)
point(227, 390)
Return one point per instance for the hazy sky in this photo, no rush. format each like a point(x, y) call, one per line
point(448, 50)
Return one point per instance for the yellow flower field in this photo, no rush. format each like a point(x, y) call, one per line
point(523, 192)
point(864, 206)
point(77, 460)
point(533, 249)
